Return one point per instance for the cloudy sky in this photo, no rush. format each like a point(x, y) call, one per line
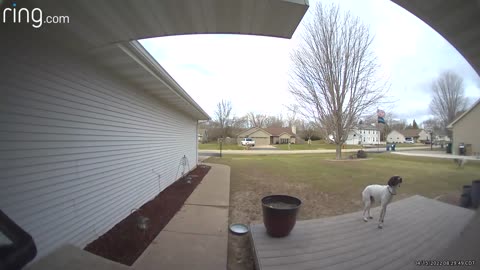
point(252, 71)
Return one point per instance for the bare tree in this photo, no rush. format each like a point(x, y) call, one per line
point(256, 120)
point(222, 115)
point(448, 98)
point(434, 125)
point(333, 77)
point(274, 121)
point(292, 115)
point(308, 130)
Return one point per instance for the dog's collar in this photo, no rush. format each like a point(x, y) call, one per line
point(389, 191)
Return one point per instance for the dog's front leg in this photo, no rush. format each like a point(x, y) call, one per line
point(365, 209)
point(382, 216)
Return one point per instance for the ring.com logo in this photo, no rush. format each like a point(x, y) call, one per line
point(35, 17)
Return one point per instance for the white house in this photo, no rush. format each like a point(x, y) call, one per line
point(363, 135)
point(92, 126)
point(395, 137)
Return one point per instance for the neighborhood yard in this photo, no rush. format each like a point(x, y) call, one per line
point(314, 146)
point(328, 187)
point(216, 146)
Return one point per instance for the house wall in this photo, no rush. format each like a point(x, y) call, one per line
point(423, 136)
point(259, 136)
point(467, 131)
point(353, 139)
point(284, 138)
point(395, 137)
point(80, 147)
point(363, 136)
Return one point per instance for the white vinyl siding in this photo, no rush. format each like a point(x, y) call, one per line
point(80, 148)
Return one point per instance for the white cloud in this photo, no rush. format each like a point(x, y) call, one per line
point(252, 71)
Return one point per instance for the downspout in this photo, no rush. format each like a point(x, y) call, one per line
point(196, 144)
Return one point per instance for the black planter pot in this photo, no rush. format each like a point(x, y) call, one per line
point(467, 191)
point(280, 214)
point(475, 193)
point(465, 200)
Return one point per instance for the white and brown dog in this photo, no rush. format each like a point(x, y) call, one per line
point(382, 194)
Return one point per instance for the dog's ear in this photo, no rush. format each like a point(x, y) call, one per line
point(394, 180)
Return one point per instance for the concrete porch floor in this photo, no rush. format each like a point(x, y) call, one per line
point(195, 238)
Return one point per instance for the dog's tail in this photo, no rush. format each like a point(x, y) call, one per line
point(372, 200)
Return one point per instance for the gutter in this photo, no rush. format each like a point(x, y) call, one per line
point(138, 53)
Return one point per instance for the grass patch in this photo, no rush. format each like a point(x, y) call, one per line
point(401, 145)
point(328, 187)
point(308, 175)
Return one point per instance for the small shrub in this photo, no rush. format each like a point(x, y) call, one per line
point(361, 154)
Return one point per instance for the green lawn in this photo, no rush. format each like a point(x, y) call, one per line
point(328, 187)
point(400, 145)
point(425, 176)
point(215, 146)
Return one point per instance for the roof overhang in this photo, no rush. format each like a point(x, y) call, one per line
point(457, 21)
point(104, 22)
point(109, 29)
point(134, 64)
point(477, 103)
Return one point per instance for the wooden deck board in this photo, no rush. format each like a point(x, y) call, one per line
point(415, 228)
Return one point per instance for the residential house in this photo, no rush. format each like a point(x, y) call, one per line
point(466, 130)
point(202, 135)
point(441, 138)
point(400, 136)
point(266, 136)
point(363, 134)
point(395, 137)
point(415, 134)
point(92, 125)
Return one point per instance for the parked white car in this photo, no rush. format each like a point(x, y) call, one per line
point(248, 142)
point(409, 141)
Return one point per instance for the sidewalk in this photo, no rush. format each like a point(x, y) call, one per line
point(436, 154)
point(292, 152)
point(197, 236)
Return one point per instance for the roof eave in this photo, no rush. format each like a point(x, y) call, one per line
point(450, 126)
point(135, 50)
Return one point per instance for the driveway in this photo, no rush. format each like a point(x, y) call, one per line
point(264, 147)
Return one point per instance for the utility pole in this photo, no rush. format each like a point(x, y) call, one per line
point(221, 143)
point(431, 140)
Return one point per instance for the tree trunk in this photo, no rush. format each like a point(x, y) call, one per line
point(339, 151)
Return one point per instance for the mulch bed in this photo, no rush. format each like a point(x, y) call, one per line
point(125, 242)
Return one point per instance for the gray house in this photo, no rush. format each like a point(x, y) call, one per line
point(91, 125)
point(266, 136)
point(466, 130)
